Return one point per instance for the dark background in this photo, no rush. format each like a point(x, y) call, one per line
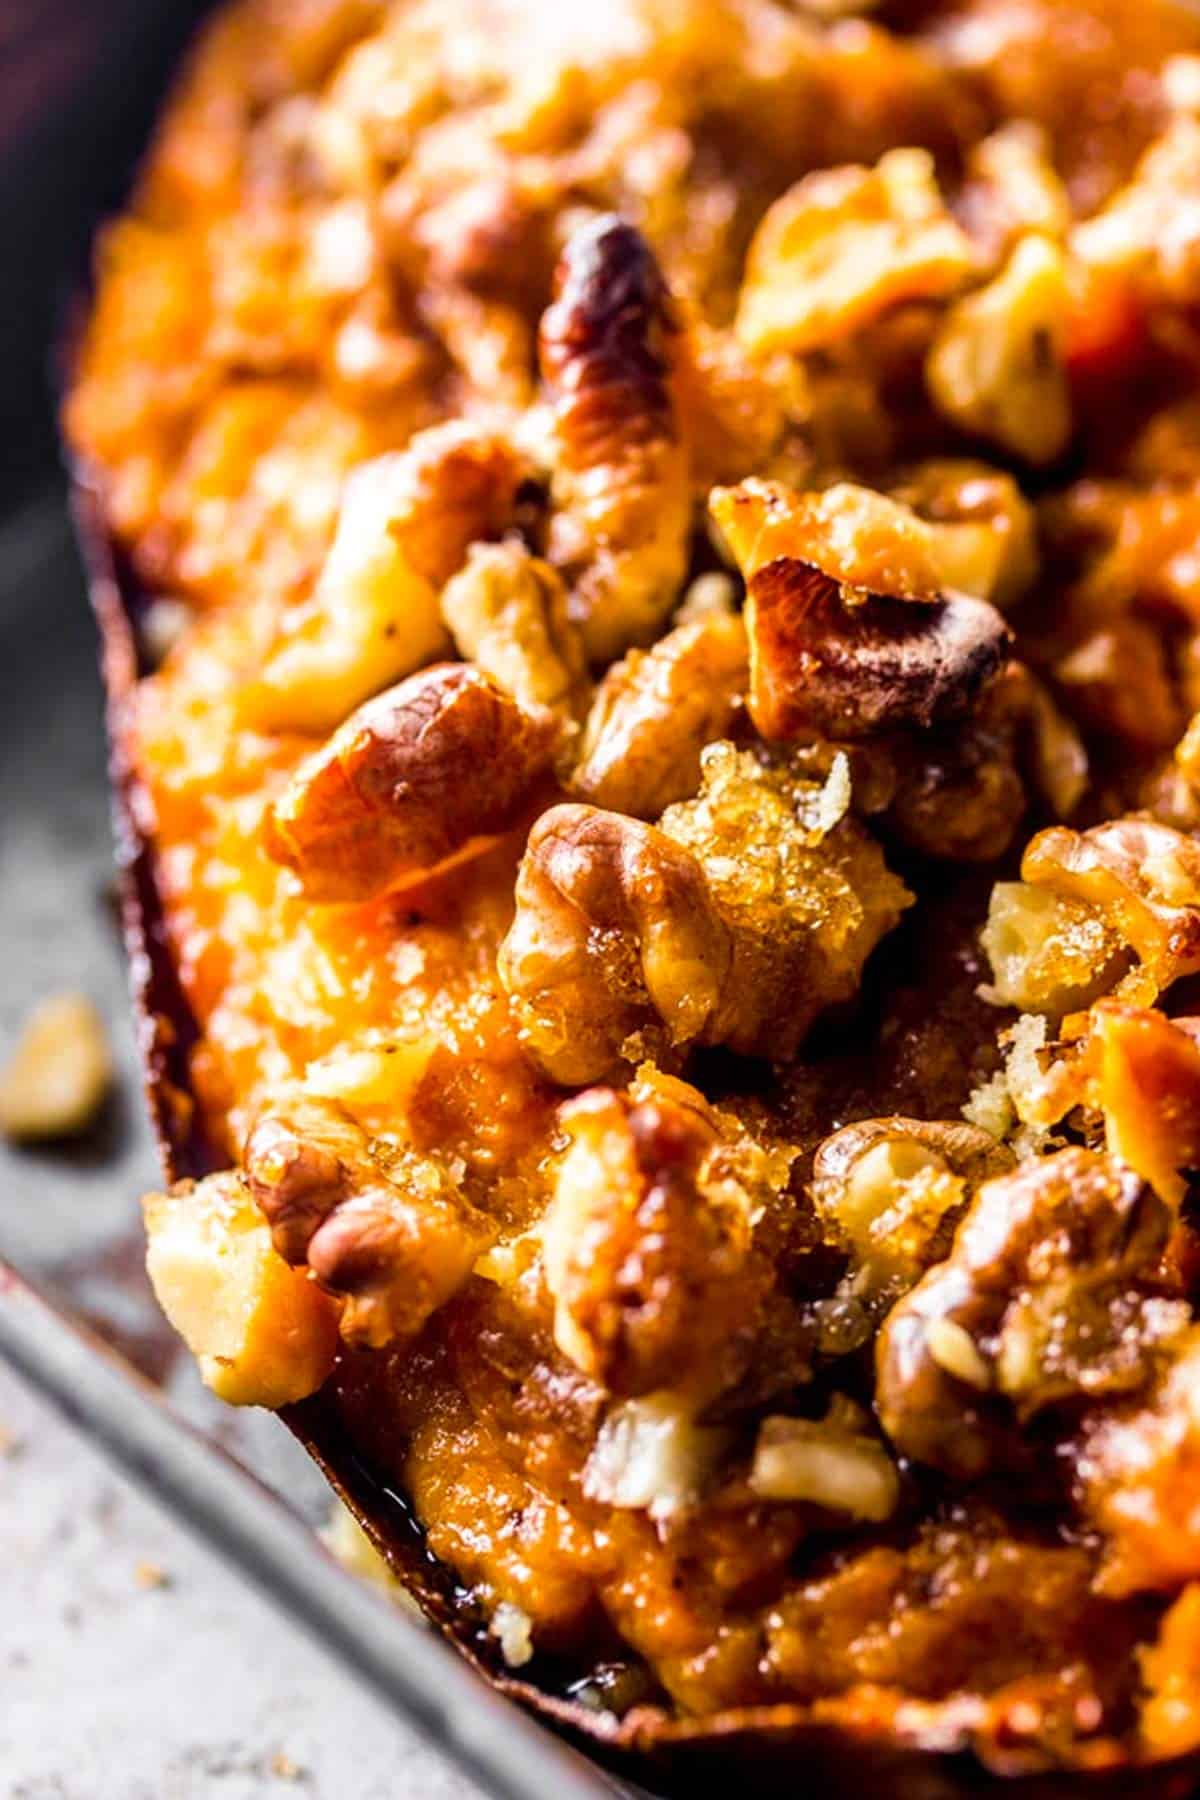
point(80, 81)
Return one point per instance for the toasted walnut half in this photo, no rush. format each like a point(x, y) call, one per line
point(385, 1230)
point(263, 1333)
point(616, 938)
point(507, 610)
point(1050, 1282)
point(430, 770)
point(1049, 953)
point(1143, 879)
point(405, 524)
point(655, 711)
point(996, 366)
point(837, 647)
point(620, 480)
point(842, 247)
point(648, 1240)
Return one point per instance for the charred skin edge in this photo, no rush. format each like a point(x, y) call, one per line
point(777, 1749)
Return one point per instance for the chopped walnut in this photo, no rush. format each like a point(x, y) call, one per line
point(655, 711)
point(1147, 231)
point(648, 1239)
point(823, 1462)
point(1143, 879)
point(405, 524)
point(1052, 1276)
point(507, 610)
point(890, 1189)
point(1013, 188)
point(616, 941)
point(263, 1333)
point(998, 559)
point(385, 1230)
point(59, 1073)
point(1049, 953)
point(803, 890)
point(844, 246)
point(620, 481)
point(838, 648)
point(1170, 1711)
point(430, 770)
point(996, 366)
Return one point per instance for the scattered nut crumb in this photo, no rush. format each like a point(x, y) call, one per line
point(59, 1073)
point(149, 1575)
point(11, 1446)
point(162, 625)
point(284, 1768)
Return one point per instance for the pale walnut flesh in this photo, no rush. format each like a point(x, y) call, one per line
point(428, 770)
point(507, 611)
point(620, 483)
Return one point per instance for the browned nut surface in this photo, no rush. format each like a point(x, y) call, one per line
point(615, 938)
point(1147, 1085)
point(384, 1229)
point(59, 1072)
point(1051, 1281)
point(620, 483)
point(433, 767)
point(1143, 879)
point(647, 1241)
point(655, 711)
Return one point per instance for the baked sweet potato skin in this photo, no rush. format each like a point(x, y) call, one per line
point(903, 1758)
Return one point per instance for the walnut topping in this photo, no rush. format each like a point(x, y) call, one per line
point(264, 1334)
point(432, 769)
point(507, 610)
point(620, 485)
point(1146, 1081)
point(59, 1074)
point(655, 711)
point(1051, 1277)
point(1143, 879)
point(388, 1232)
point(996, 365)
point(405, 524)
point(845, 245)
point(648, 1239)
point(615, 935)
point(826, 1464)
point(837, 649)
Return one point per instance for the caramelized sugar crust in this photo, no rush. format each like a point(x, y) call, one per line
point(678, 820)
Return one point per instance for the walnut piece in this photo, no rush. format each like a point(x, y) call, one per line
point(430, 770)
point(1051, 1275)
point(384, 1229)
point(1146, 1082)
point(404, 527)
point(655, 711)
point(620, 481)
point(507, 610)
point(263, 1333)
point(844, 246)
point(59, 1073)
point(647, 1242)
point(615, 937)
point(996, 366)
point(849, 633)
point(1143, 879)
